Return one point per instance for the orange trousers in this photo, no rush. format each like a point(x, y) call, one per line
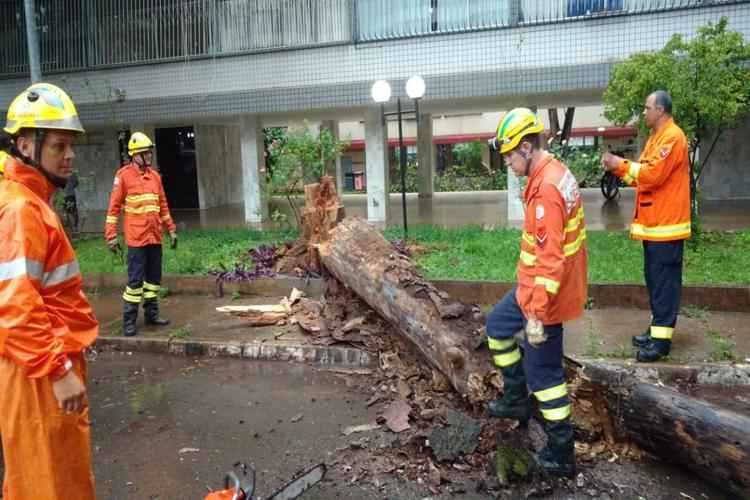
point(47, 453)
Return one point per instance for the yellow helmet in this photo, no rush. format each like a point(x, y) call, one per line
point(42, 106)
point(514, 126)
point(138, 143)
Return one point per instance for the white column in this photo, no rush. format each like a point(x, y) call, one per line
point(425, 157)
point(376, 165)
point(253, 170)
point(515, 199)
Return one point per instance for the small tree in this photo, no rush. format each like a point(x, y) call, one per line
point(299, 158)
point(708, 78)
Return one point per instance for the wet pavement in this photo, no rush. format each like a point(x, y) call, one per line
point(169, 427)
point(485, 208)
point(599, 332)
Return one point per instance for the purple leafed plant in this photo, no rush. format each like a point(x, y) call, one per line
point(401, 247)
point(263, 260)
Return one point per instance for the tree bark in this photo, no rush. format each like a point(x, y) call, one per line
point(710, 440)
point(707, 439)
point(444, 330)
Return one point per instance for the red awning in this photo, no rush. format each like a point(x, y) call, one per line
point(608, 132)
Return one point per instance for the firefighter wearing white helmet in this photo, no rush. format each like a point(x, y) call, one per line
point(139, 193)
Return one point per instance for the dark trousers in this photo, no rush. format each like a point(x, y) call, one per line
point(144, 273)
point(543, 364)
point(662, 266)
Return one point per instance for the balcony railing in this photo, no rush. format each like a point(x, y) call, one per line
point(77, 34)
point(81, 34)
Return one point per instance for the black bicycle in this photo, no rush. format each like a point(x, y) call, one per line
point(610, 185)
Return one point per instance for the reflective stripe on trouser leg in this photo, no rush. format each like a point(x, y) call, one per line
point(136, 270)
point(663, 261)
point(133, 295)
point(151, 291)
point(554, 402)
point(546, 376)
point(503, 322)
point(504, 351)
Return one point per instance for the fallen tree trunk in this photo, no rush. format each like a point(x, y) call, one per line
point(710, 440)
point(620, 402)
point(445, 331)
point(707, 439)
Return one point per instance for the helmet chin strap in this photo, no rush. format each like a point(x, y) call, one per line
point(527, 157)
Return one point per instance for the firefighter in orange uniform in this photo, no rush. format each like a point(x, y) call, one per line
point(138, 191)
point(552, 289)
point(46, 322)
point(661, 220)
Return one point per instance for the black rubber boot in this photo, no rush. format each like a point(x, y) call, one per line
point(515, 402)
point(129, 317)
point(654, 351)
point(558, 457)
point(642, 339)
point(151, 313)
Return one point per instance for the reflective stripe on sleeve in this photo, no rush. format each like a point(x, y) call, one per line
point(550, 285)
point(60, 274)
point(20, 267)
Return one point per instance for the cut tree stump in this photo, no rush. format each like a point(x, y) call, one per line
point(444, 330)
point(322, 212)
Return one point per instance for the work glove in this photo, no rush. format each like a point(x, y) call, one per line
point(173, 240)
point(535, 331)
point(114, 246)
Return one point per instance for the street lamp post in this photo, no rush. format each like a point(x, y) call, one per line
point(381, 93)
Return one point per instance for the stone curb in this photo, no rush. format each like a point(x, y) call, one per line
point(329, 356)
point(714, 298)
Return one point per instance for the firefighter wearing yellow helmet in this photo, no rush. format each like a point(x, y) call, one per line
point(551, 290)
point(45, 319)
point(138, 191)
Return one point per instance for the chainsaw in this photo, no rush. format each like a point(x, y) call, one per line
point(239, 484)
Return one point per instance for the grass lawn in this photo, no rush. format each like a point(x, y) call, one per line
point(463, 253)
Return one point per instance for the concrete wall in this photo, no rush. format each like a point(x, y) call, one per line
point(727, 173)
point(96, 163)
point(219, 167)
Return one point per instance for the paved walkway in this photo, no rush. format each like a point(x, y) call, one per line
point(600, 332)
point(485, 208)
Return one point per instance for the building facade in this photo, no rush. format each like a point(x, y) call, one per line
point(204, 77)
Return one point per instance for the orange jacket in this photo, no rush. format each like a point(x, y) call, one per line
point(145, 206)
point(3, 159)
point(662, 177)
point(552, 281)
point(44, 315)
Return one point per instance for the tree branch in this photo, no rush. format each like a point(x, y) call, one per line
point(710, 150)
